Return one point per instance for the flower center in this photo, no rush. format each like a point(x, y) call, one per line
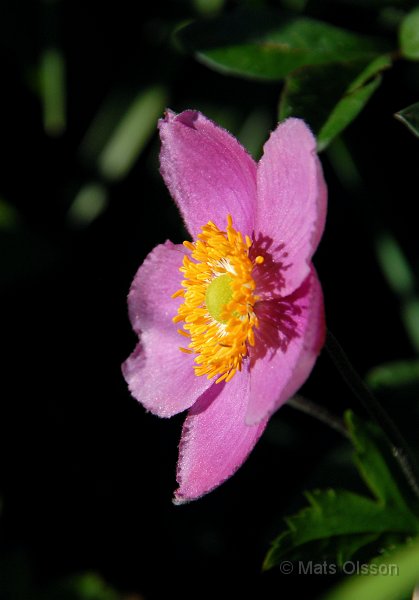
point(218, 309)
point(219, 293)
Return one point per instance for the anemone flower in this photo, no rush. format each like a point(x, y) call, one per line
point(231, 323)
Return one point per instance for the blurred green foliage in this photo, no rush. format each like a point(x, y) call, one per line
point(409, 35)
point(395, 582)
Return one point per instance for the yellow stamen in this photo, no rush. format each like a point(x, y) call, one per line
point(219, 298)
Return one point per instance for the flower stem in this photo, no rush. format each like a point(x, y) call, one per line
point(398, 445)
point(309, 407)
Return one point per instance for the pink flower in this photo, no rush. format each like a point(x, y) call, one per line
point(242, 300)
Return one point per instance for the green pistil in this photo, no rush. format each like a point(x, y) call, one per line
point(219, 293)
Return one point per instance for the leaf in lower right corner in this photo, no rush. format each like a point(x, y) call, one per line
point(338, 524)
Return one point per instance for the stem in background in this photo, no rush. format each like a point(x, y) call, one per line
point(393, 436)
point(318, 412)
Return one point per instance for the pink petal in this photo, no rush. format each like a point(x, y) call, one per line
point(208, 173)
point(292, 196)
point(160, 376)
point(149, 301)
point(288, 341)
point(215, 439)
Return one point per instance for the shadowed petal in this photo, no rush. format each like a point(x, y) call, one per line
point(215, 439)
point(207, 171)
point(160, 376)
point(292, 197)
point(149, 301)
point(288, 341)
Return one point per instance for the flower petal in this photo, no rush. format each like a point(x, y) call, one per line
point(208, 173)
point(292, 196)
point(215, 439)
point(160, 376)
point(289, 339)
point(149, 301)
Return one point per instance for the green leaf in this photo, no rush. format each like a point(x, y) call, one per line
point(349, 86)
point(394, 583)
point(266, 44)
point(409, 116)
point(394, 375)
point(336, 549)
point(338, 523)
point(344, 521)
point(409, 35)
point(378, 467)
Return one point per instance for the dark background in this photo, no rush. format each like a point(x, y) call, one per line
point(86, 475)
